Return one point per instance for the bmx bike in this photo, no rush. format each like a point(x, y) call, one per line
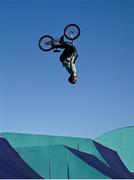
point(47, 42)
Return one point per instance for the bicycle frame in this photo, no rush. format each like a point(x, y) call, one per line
point(56, 42)
point(47, 42)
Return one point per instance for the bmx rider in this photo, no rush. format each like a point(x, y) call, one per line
point(68, 58)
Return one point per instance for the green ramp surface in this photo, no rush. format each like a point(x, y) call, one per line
point(122, 141)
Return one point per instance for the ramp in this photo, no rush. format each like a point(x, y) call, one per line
point(12, 165)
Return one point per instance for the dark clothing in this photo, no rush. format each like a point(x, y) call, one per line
point(68, 50)
point(68, 56)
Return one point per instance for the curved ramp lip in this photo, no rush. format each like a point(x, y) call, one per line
point(112, 131)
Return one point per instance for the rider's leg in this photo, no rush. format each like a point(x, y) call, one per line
point(63, 56)
point(68, 51)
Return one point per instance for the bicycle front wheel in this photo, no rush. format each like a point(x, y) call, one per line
point(72, 31)
point(45, 43)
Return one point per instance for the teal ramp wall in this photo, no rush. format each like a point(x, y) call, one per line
point(19, 140)
point(47, 155)
point(121, 140)
point(58, 162)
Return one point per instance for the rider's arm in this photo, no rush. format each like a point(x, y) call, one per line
point(76, 56)
point(72, 62)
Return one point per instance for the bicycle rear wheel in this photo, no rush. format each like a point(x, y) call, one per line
point(45, 43)
point(72, 31)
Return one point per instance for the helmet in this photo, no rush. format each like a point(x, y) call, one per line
point(72, 79)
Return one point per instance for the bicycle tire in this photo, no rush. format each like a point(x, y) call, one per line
point(42, 43)
point(72, 31)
